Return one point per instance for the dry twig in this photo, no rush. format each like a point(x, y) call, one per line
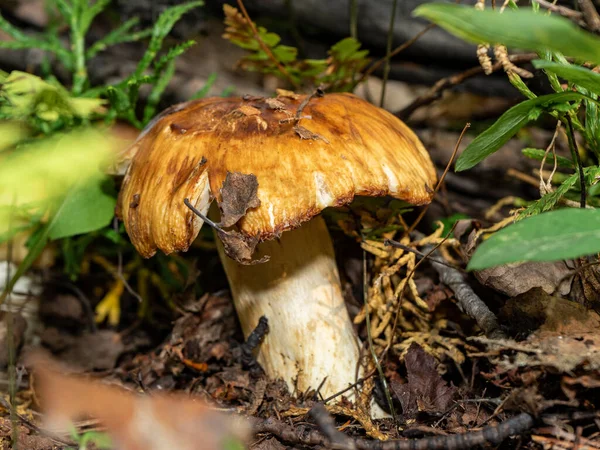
point(467, 299)
point(445, 83)
point(264, 46)
point(300, 435)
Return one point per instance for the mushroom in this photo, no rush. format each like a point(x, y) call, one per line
point(273, 164)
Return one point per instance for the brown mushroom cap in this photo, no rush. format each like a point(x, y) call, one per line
point(342, 146)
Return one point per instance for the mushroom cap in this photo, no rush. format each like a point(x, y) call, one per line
point(218, 148)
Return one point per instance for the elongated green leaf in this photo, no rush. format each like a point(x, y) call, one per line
point(507, 126)
point(552, 236)
point(88, 207)
point(539, 154)
point(575, 74)
point(523, 29)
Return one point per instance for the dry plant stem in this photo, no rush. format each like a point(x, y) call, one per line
point(467, 299)
point(562, 10)
point(354, 19)
point(326, 423)
point(445, 83)
point(590, 15)
point(264, 47)
point(441, 180)
point(298, 290)
point(388, 51)
point(394, 52)
point(577, 158)
point(401, 295)
point(489, 435)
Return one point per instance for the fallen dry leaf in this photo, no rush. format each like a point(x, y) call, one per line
point(305, 133)
point(238, 195)
point(159, 421)
point(426, 390)
point(536, 310)
point(515, 279)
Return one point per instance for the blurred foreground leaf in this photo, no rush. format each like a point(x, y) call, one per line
point(543, 32)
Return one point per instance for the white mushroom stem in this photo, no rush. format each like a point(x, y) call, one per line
point(311, 338)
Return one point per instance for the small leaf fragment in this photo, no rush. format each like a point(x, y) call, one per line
point(239, 247)
point(238, 195)
point(305, 133)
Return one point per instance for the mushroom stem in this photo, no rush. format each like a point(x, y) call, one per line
point(311, 340)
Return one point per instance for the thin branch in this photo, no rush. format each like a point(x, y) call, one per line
point(441, 180)
point(324, 420)
point(577, 157)
point(388, 51)
point(407, 248)
point(493, 435)
point(394, 52)
point(354, 19)
point(466, 298)
point(264, 46)
point(590, 15)
point(376, 359)
point(352, 386)
point(562, 10)
point(436, 90)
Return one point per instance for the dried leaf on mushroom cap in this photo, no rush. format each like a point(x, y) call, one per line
point(353, 148)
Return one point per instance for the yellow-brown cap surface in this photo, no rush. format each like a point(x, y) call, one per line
point(341, 147)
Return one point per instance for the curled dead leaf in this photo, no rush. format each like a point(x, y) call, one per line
point(239, 247)
point(238, 195)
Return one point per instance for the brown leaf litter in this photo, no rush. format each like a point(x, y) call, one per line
point(425, 389)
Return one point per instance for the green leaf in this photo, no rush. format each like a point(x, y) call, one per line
point(345, 48)
point(285, 54)
point(118, 36)
point(552, 236)
point(507, 126)
point(204, 90)
point(548, 201)
point(88, 207)
point(90, 12)
point(157, 91)
point(574, 74)
point(538, 154)
point(523, 29)
point(173, 53)
point(162, 27)
point(24, 41)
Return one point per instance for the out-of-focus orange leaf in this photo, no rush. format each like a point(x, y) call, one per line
point(160, 421)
